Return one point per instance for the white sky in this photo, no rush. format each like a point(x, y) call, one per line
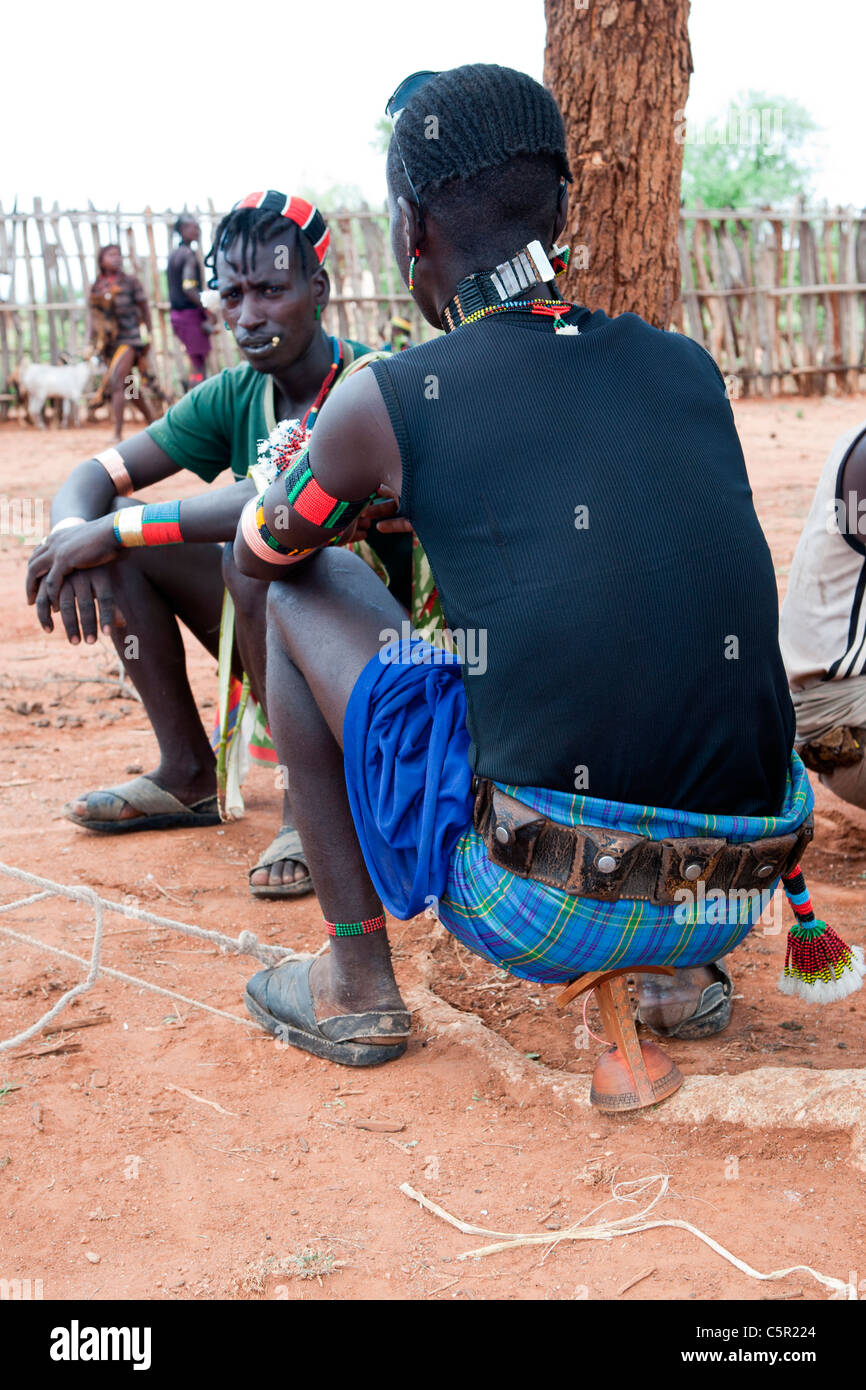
point(287, 93)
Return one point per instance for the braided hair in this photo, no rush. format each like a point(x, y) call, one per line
point(253, 227)
point(474, 118)
point(483, 145)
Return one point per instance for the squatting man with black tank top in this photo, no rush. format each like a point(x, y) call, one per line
point(612, 694)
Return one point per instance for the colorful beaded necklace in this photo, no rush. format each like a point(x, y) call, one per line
point(552, 308)
point(298, 431)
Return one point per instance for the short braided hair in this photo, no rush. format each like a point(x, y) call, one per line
point(485, 115)
point(253, 227)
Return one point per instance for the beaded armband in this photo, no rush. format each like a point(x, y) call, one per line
point(314, 504)
point(268, 537)
point(260, 540)
point(156, 524)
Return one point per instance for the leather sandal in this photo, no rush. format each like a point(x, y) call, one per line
point(712, 1015)
point(158, 809)
point(280, 999)
point(286, 845)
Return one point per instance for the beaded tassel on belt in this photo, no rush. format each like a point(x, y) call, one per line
point(819, 966)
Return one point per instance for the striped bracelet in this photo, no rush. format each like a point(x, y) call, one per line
point(156, 524)
point(370, 924)
point(260, 540)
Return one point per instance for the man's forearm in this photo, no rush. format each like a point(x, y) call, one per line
point(210, 518)
point(88, 492)
point(214, 516)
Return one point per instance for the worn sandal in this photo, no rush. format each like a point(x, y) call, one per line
point(159, 809)
point(712, 1015)
point(281, 1001)
point(285, 845)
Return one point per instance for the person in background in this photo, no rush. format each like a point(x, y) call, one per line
point(119, 328)
point(192, 324)
point(821, 628)
point(401, 335)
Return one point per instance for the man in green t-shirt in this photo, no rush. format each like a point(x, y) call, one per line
point(109, 565)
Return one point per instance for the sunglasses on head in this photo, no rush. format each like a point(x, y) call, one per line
point(394, 109)
point(399, 99)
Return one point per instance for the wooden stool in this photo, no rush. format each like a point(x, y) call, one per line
point(630, 1074)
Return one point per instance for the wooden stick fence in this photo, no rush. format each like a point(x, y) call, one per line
point(48, 261)
point(778, 298)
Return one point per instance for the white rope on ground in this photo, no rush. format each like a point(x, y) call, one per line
point(247, 943)
point(115, 975)
point(620, 1226)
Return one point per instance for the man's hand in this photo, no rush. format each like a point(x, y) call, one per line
point(81, 596)
point(56, 583)
point(380, 514)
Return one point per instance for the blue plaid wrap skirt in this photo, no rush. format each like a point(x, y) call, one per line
point(408, 777)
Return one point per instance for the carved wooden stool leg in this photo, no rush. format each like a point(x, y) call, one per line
point(630, 1074)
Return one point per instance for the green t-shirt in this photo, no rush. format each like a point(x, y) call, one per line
point(219, 423)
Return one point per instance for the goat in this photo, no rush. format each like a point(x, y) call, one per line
point(41, 381)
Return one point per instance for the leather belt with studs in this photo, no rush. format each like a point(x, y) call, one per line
point(592, 862)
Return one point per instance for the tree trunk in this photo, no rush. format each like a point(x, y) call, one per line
point(620, 72)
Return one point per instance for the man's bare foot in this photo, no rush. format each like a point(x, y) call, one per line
point(282, 872)
point(189, 789)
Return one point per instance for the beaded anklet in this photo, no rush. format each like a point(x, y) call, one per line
point(370, 924)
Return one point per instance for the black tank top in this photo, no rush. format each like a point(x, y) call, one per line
point(584, 504)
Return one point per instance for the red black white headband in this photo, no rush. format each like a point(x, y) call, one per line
point(297, 210)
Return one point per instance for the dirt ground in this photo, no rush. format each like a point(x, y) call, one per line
point(122, 1152)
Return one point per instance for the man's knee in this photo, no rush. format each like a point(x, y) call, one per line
point(247, 593)
point(235, 582)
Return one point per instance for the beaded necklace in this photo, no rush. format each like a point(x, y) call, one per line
point(289, 438)
point(552, 308)
point(336, 362)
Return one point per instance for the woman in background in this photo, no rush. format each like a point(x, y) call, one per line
point(117, 312)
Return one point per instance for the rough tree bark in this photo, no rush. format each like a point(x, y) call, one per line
point(620, 72)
